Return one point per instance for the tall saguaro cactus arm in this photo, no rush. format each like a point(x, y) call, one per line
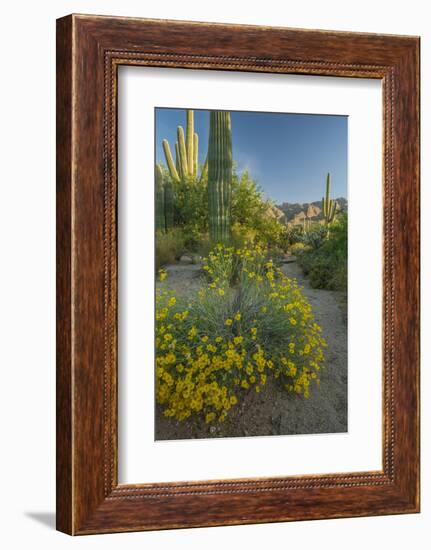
point(183, 152)
point(190, 132)
point(219, 175)
point(195, 155)
point(329, 206)
point(170, 161)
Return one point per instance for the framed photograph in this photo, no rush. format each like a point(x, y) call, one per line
point(237, 274)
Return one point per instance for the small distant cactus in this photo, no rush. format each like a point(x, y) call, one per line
point(219, 176)
point(329, 206)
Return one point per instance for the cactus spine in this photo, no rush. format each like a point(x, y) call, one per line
point(219, 175)
point(160, 200)
point(186, 153)
point(329, 206)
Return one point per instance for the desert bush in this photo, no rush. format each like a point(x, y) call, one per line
point(316, 236)
point(326, 265)
point(169, 247)
point(293, 234)
point(299, 248)
point(249, 323)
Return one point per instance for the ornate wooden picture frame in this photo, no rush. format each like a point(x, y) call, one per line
point(89, 51)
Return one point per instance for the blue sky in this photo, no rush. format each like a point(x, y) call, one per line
point(288, 155)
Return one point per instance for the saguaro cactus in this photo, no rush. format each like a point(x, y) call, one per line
point(219, 175)
point(160, 200)
point(169, 204)
point(329, 206)
point(185, 166)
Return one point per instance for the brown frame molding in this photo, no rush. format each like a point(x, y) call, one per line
point(89, 50)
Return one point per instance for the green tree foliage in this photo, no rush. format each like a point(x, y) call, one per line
point(251, 212)
point(191, 208)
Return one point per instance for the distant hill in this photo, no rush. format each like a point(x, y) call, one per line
point(294, 212)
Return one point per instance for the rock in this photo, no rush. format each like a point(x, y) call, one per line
point(186, 259)
point(313, 211)
point(196, 259)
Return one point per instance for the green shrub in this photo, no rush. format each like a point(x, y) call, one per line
point(191, 204)
point(299, 248)
point(326, 265)
point(169, 247)
point(293, 234)
point(316, 236)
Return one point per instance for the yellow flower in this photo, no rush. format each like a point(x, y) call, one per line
point(218, 339)
point(228, 322)
point(172, 301)
point(238, 316)
point(204, 338)
point(192, 333)
point(209, 417)
point(162, 274)
point(237, 340)
point(292, 321)
point(221, 291)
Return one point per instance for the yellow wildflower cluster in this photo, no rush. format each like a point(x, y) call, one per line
point(162, 274)
point(211, 348)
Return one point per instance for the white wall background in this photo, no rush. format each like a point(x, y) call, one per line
point(27, 252)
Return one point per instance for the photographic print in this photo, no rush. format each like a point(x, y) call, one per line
point(212, 248)
point(251, 240)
